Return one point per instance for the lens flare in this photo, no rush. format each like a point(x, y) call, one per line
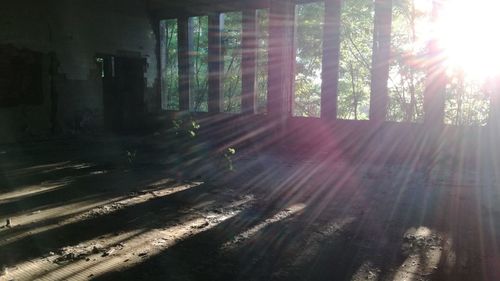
point(466, 32)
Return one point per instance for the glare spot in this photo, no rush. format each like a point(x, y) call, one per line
point(466, 31)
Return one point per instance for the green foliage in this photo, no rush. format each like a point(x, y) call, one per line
point(187, 145)
point(355, 59)
point(198, 62)
point(231, 53)
point(309, 34)
point(467, 103)
point(185, 128)
point(170, 71)
point(228, 154)
point(131, 156)
point(406, 75)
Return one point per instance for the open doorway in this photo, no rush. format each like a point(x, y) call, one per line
point(123, 92)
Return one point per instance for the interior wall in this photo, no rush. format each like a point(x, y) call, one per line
point(74, 31)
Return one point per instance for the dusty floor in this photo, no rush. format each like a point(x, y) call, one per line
point(107, 210)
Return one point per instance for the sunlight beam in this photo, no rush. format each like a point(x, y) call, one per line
point(466, 31)
point(80, 211)
point(132, 248)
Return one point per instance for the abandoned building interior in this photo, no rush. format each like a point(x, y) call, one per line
point(250, 140)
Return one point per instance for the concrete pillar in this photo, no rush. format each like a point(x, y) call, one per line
point(280, 62)
point(380, 60)
point(331, 60)
point(215, 63)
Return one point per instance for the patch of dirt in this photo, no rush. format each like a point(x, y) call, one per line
point(271, 219)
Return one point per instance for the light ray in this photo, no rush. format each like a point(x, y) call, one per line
point(138, 245)
point(81, 211)
point(466, 31)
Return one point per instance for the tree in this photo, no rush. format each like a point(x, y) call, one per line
point(466, 101)
point(231, 53)
point(406, 75)
point(308, 59)
point(355, 59)
point(170, 74)
point(199, 64)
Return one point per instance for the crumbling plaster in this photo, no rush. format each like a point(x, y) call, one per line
point(75, 31)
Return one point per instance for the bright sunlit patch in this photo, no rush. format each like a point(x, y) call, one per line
point(53, 218)
point(32, 190)
point(424, 248)
point(467, 33)
point(111, 252)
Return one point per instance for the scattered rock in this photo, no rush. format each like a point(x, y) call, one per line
point(108, 252)
point(103, 210)
point(78, 252)
point(95, 250)
point(67, 258)
point(199, 226)
point(160, 242)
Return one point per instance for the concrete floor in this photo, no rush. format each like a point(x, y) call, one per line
point(126, 209)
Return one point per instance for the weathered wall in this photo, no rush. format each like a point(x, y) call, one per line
point(75, 30)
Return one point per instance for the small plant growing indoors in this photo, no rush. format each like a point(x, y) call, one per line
point(185, 127)
point(131, 156)
point(228, 154)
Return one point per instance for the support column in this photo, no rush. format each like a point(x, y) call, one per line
point(161, 53)
point(331, 60)
point(280, 61)
point(380, 60)
point(434, 99)
point(494, 114)
point(215, 62)
point(434, 94)
point(248, 61)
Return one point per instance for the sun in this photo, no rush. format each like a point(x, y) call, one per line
point(467, 33)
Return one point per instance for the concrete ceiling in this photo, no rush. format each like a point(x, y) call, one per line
point(173, 8)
